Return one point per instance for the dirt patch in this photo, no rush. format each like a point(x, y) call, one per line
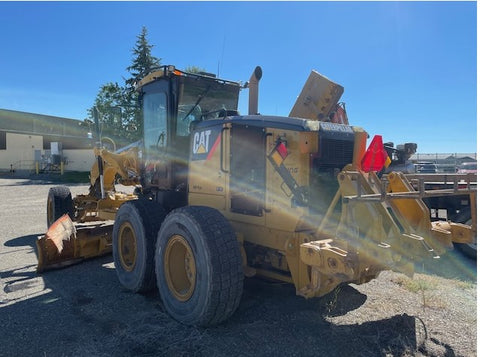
point(381, 318)
point(83, 310)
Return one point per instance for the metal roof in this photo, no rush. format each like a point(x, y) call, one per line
point(71, 132)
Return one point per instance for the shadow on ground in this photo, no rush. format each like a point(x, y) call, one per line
point(23, 179)
point(22, 241)
point(83, 311)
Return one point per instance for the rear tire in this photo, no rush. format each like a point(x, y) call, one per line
point(133, 243)
point(198, 266)
point(59, 202)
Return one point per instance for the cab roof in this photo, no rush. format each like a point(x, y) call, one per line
point(170, 71)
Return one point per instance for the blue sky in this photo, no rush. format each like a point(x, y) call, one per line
point(408, 68)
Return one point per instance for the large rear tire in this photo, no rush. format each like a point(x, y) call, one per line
point(133, 243)
point(59, 202)
point(198, 266)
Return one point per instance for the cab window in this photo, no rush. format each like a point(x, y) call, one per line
point(155, 121)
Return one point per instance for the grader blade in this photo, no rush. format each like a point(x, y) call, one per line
point(61, 230)
point(65, 244)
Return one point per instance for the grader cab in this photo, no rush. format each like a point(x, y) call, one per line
point(220, 196)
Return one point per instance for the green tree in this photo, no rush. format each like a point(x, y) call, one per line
point(194, 69)
point(109, 102)
point(143, 61)
point(118, 105)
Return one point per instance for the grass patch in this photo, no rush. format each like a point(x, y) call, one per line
point(433, 301)
point(426, 286)
point(67, 177)
point(465, 285)
point(415, 285)
point(75, 177)
point(332, 304)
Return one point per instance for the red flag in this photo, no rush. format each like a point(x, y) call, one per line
point(375, 156)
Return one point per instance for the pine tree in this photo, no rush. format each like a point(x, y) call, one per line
point(118, 105)
point(143, 61)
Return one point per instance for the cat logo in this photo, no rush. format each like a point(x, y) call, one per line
point(204, 143)
point(201, 141)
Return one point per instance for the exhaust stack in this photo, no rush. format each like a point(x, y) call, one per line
point(253, 91)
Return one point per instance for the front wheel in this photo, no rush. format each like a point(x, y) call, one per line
point(198, 266)
point(133, 243)
point(59, 202)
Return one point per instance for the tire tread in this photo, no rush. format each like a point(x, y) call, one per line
point(151, 215)
point(62, 202)
point(226, 262)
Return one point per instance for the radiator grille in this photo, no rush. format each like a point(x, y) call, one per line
point(336, 153)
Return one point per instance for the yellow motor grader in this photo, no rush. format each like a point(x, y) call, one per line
point(220, 196)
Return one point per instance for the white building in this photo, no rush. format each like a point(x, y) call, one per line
point(29, 141)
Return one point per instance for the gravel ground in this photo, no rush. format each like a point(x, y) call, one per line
point(83, 311)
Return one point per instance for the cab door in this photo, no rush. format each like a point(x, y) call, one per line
point(156, 138)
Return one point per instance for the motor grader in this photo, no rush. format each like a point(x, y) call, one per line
point(220, 196)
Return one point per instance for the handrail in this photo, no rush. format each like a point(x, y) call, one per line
point(225, 171)
point(443, 178)
point(419, 193)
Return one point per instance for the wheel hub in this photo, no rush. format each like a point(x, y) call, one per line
point(127, 247)
point(180, 269)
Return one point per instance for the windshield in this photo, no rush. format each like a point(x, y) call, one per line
point(204, 98)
